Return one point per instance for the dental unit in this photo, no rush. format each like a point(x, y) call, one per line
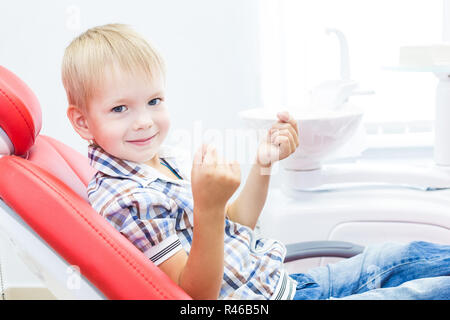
point(364, 200)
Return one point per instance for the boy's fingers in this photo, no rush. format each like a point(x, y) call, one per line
point(205, 148)
point(210, 156)
point(281, 127)
point(198, 156)
point(283, 116)
point(283, 144)
point(290, 138)
point(235, 167)
point(288, 118)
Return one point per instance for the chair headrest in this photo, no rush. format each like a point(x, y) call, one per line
point(20, 114)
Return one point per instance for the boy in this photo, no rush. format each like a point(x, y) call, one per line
point(115, 87)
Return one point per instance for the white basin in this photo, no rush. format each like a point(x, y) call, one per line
point(321, 132)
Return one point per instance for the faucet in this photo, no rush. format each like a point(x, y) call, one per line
point(345, 65)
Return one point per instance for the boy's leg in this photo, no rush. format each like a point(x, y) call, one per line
point(382, 266)
point(437, 288)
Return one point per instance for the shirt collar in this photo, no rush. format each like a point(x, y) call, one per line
point(139, 172)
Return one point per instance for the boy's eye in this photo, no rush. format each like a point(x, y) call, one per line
point(118, 109)
point(154, 102)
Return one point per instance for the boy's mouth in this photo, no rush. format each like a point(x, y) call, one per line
point(143, 141)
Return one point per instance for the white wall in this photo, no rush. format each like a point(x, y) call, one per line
point(211, 47)
point(446, 21)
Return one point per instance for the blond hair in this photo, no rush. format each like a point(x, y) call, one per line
point(91, 53)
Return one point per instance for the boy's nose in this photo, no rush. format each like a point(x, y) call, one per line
point(142, 121)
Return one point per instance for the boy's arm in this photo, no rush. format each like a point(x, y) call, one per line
point(213, 183)
point(247, 207)
point(282, 140)
point(200, 274)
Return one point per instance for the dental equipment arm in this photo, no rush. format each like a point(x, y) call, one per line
point(313, 249)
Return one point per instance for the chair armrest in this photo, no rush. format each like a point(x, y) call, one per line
point(312, 249)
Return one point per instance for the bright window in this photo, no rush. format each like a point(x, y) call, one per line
point(297, 55)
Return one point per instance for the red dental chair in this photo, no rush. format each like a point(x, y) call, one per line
point(44, 212)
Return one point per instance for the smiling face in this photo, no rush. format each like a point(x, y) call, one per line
point(128, 118)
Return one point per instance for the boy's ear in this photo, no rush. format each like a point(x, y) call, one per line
point(79, 122)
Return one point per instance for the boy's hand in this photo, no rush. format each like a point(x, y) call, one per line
point(282, 140)
point(213, 180)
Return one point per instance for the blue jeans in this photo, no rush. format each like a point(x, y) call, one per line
point(418, 270)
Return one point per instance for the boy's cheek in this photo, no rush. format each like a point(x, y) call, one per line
point(109, 135)
point(164, 124)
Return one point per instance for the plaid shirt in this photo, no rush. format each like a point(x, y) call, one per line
point(155, 213)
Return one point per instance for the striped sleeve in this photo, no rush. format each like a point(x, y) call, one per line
point(144, 219)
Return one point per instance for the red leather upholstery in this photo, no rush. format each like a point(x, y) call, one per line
point(63, 162)
point(80, 235)
point(48, 191)
point(20, 112)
